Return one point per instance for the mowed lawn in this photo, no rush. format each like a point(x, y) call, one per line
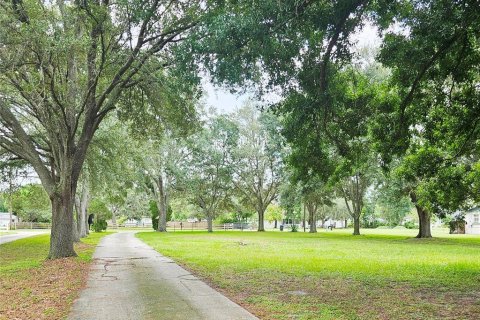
point(383, 274)
point(34, 288)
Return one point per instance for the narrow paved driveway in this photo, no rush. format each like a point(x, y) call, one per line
point(20, 235)
point(130, 280)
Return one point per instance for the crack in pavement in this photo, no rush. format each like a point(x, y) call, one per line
point(144, 285)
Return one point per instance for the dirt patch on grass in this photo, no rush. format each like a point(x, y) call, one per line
point(274, 296)
point(44, 292)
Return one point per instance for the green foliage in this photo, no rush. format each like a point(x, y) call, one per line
point(433, 100)
point(121, 220)
point(31, 203)
point(99, 208)
point(392, 204)
point(370, 218)
point(153, 208)
point(209, 167)
point(410, 225)
point(154, 213)
point(273, 212)
point(99, 225)
point(3, 204)
point(226, 218)
point(424, 106)
point(80, 57)
point(258, 158)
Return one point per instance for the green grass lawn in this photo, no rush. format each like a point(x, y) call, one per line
point(383, 274)
point(34, 288)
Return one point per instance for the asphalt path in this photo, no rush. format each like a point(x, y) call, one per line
point(130, 280)
point(20, 235)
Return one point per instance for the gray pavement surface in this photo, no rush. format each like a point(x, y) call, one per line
point(20, 235)
point(130, 280)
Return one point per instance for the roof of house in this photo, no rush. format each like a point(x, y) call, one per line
point(473, 210)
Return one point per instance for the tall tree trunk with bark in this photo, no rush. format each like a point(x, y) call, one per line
point(114, 218)
point(75, 233)
point(10, 198)
point(312, 217)
point(162, 203)
point(356, 225)
point(209, 223)
point(354, 192)
point(87, 227)
point(61, 238)
point(424, 217)
point(424, 230)
point(261, 219)
point(81, 204)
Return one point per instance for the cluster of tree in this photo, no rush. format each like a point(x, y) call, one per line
point(66, 66)
point(229, 163)
point(418, 121)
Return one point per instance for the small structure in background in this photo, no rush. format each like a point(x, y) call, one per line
point(5, 219)
point(457, 224)
point(334, 224)
point(144, 222)
point(472, 220)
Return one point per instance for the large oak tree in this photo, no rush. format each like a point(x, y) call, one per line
point(64, 65)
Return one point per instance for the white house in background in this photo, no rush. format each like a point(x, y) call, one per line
point(472, 219)
point(334, 223)
point(4, 218)
point(143, 222)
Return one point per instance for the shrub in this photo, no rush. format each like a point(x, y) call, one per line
point(121, 220)
point(153, 208)
point(155, 213)
point(227, 218)
point(294, 228)
point(99, 225)
point(410, 225)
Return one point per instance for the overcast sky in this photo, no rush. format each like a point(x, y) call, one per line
point(226, 102)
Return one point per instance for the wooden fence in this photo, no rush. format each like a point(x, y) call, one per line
point(172, 226)
point(31, 225)
point(202, 225)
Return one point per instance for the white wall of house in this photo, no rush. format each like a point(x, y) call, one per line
point(472, 218)
point(334, 223)
point(5, 217)
point(143, 222)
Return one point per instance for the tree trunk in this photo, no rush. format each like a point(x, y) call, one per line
point(10, 199)
point(162, 204)
point(312, 221)
point(81, 204)
point(83, 223)
point(424, 230)
point(114, 219)
point(356, 225)
point(83, 212)
point(87, 229)
point(75, 233)
point(61, 238)
point(261, 218)
point(209, 223)
point(304, 218)
point(275, 225)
